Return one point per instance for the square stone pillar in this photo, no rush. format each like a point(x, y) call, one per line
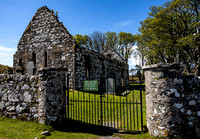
point(164, 85)
point(52, 96)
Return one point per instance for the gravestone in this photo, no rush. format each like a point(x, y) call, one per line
point(110, 86)
point(30, 68)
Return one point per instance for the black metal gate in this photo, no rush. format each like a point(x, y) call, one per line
point(121, 110)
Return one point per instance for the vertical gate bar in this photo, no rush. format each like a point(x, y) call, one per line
point(107, 102)
point(107, 112)
point(123, 114)
point(81, 108)
point(127, 112)
point(120, 113)
point(95, 120)
point(89, 109)
point(68, 95)
point(141, 100)
point(78, 108)
point(133, 104)
point(137, 115)
point(104, 113)
point(73, 106)
point(134, 114)
point(98, 111)
point(130, 114)
point(111, 112)
point(101, 108)
point(84, 109)
point(117, 114)
point(114, 104)
point(84, 118)
point(92, 109)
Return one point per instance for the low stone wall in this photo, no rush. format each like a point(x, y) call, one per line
point(172, 101)
point(34, 98)
point(19, 96)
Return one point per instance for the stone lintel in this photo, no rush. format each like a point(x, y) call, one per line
point(52, 69)
point(163, 66)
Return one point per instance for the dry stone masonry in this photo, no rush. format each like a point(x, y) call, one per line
point(38, 98)
point(172, 101)
point(45, 54)
point(47, 43)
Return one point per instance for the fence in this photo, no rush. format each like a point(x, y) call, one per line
point(105, 105)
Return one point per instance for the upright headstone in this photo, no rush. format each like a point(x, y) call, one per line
point(30, 68)
point(110, 86)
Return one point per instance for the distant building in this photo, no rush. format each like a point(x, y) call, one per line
point(47, 43)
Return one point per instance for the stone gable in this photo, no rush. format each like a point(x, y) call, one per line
point(44, 34)
point(47, 43)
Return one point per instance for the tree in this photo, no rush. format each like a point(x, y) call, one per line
point(170, 34)
point(83, 41)
point(98, 41)
point(111, 39)
point(126, 42)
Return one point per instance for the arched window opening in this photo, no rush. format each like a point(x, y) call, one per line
point(109, 56)
point(87, 66)
point(87, 72)
point(45, 59)
point(34, 62)
point(20, 62)
point(122, 82)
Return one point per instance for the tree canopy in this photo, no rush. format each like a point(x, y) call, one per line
point(122, 42)
point(171, 34)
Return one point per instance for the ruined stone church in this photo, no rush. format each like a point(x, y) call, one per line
point(47, 43)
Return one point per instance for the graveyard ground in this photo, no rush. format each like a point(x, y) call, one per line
point(10, 128)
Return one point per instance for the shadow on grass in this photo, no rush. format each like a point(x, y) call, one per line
point(70, 125)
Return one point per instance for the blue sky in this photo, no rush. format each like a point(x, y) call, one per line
point(78, 16)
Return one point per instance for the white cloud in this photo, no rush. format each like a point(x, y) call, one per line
point(134, 60)
point(6, 55)
point(124, 23)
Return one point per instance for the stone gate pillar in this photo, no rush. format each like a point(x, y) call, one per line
point(52, 96)
point(164, 86)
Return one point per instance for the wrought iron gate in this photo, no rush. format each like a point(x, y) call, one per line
point(121, 110)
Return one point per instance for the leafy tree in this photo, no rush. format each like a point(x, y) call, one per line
point(170, 34)
point(126, 42)
point(111, 39)
point(122, 42)
point(83, 41)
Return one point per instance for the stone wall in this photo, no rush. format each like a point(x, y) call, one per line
point(46, 43)
point(99, 66)
point(19, 96)
point(172, 101)
point(38, 98)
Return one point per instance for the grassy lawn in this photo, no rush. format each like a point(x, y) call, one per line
point(81, 125)
point(10, 128)
point(120, 112)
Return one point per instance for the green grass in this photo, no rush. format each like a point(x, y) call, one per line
point(10, 128)
point(16, 129)
point(119, 115)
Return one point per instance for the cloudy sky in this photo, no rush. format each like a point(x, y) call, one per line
point(79, 17)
